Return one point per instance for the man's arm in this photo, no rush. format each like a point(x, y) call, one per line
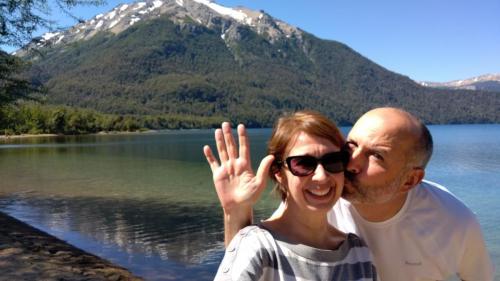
point(238, 188)
point(475, 263)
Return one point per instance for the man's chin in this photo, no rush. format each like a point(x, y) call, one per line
point(349, 196)
point(350, 192)
point(349, 188)
point(346, 196)
point(353, 198)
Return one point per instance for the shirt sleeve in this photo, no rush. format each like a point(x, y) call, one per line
point(243, 259)
point(475, 262)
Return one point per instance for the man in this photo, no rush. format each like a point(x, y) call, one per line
point(416, 230)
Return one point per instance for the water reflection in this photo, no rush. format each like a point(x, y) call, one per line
point(147, 202)
point(174, 230)
point(135, 233)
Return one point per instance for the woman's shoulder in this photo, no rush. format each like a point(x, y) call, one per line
point(248, 253)
point(252, 236)
point(254, 230)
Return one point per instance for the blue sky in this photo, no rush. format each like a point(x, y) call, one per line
point(427, 40)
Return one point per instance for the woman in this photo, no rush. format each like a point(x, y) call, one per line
point(299, 243)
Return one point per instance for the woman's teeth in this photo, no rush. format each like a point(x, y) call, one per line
point(319, 192)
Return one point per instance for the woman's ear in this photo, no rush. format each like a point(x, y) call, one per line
point(279, 177)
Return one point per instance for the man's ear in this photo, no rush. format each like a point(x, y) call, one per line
point(414, 177)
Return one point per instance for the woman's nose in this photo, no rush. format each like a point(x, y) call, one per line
point(320, 174)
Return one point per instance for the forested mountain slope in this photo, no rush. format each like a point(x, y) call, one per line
point(190, 59)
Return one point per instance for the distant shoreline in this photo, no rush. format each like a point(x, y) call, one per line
point(26, 136)
point(22, 136)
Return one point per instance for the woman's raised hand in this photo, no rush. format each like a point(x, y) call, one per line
point(235, 182)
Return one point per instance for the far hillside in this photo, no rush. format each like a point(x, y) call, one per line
point(194, 62)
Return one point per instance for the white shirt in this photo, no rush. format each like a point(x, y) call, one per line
point(433, 237)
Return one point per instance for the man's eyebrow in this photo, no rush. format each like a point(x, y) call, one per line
point(382, 149)
point(379, 150)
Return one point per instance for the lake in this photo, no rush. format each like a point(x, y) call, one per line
point(146, 201)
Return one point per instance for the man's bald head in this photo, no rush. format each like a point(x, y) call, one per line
point(406, 126)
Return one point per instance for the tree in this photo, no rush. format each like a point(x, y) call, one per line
point(18, 21)
point(12, 87)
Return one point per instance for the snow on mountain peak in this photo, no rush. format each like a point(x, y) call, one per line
point(237, 15)
point(473, 83)
point(139, 5)
point(157, 4)
point(49, 35)
point(125, 15)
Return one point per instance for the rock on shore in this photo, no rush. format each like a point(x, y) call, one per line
point(27, 253)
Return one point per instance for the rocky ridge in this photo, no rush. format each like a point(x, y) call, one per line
point(204, 12)
point(489, 82)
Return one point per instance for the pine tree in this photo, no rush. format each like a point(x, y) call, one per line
point(18, 21)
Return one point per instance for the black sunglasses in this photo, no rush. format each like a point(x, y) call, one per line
point(304, 165)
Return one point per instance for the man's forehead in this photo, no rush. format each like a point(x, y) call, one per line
point(367, 126)
point(379, 133)
point(374, 139)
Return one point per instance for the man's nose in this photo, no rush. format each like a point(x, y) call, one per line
point(355, 161)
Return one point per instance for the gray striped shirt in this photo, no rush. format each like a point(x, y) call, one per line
point(254, 254)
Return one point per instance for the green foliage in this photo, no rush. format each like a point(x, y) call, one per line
point(186, 74)
point(34, 118)
point(12, 86)
point(19, 19)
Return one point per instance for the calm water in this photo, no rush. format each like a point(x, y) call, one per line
point(146, 201)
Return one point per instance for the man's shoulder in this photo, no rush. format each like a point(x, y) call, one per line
point(433, 186)
point(428, 190)
point(341, 216)
point(433, 196)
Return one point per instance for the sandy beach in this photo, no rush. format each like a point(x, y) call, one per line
point(27, 136)
point(27, 253)
point(24, 136)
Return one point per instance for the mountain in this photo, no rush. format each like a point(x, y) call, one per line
point(204, 12)
point(488, 82)
point(198, 58)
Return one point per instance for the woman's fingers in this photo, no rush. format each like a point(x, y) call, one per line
point(234, 160)
point(212, 161)
point(244, 143)
point(229, 139)
point(263, 171)
point(221, 146)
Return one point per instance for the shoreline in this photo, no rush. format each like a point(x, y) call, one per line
point(102, 133)
point(22, 136)
point(27, 253)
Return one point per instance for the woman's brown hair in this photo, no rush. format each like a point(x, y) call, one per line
point(287, 129)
